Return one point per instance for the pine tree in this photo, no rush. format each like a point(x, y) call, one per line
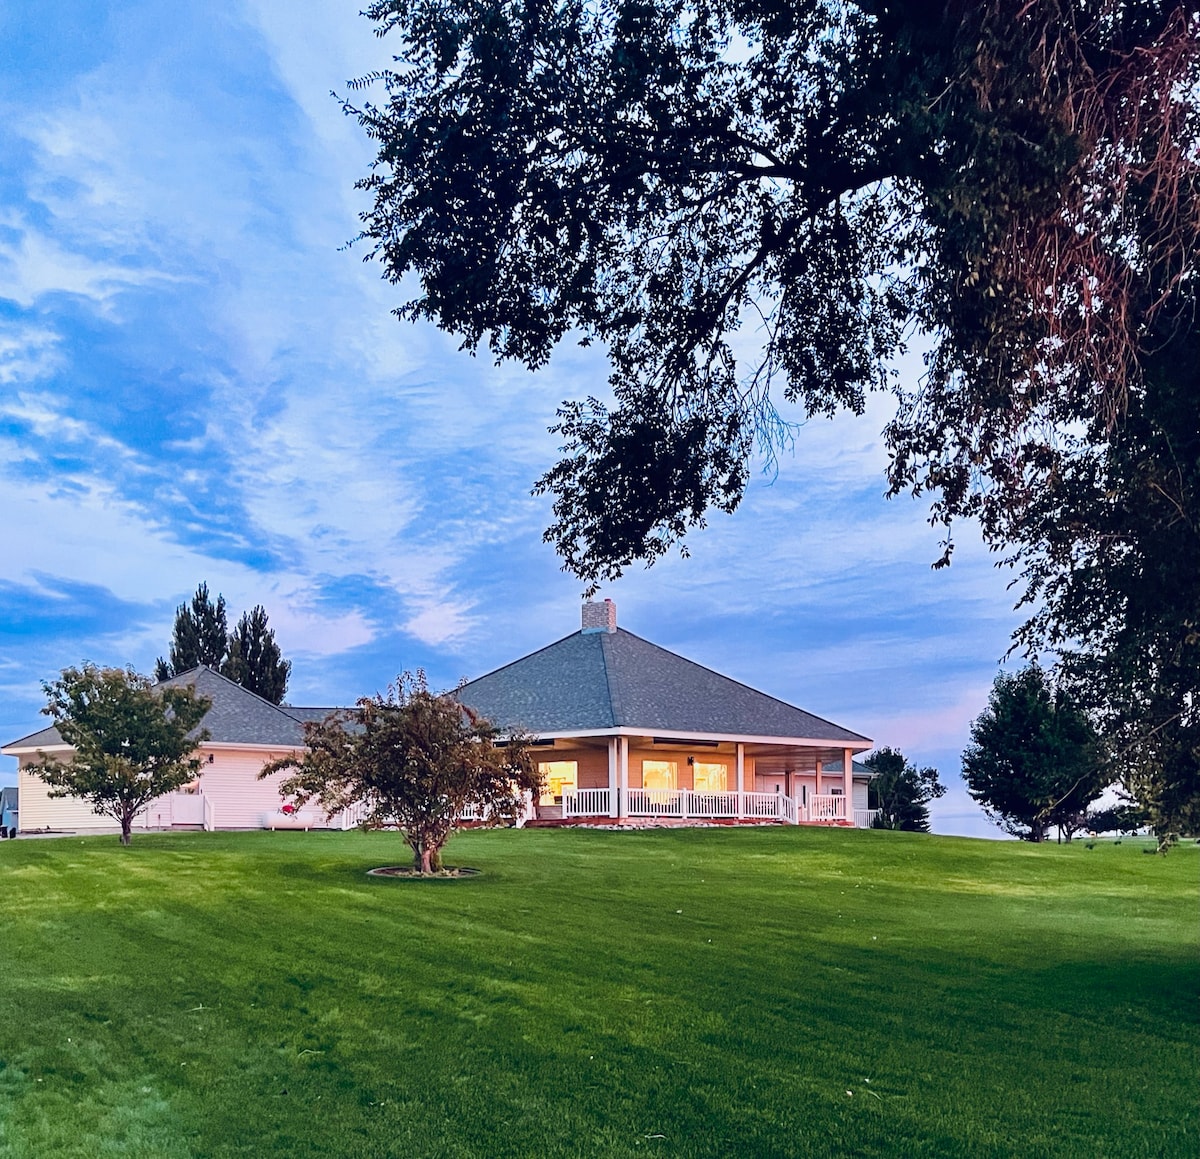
point(200, 636)
point(254, 660)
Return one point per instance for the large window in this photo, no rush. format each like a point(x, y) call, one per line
point(660, 774)
point(710, 777)
point(558, 777)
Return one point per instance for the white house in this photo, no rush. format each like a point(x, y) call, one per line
point(625, 730)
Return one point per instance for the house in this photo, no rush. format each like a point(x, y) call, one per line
point(245, 732)
point(8, 811)
point(625, 730)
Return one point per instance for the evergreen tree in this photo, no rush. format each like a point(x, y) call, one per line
point(1033, 761)
point(254, 660)
point(901, 792)
point(200, 636)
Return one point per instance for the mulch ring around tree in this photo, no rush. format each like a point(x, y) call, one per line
point(408, 873)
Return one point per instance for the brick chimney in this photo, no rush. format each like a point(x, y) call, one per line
point(600, 617)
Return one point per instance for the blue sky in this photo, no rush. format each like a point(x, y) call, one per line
point(199, 382)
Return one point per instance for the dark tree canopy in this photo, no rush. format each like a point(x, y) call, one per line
point(132, 741)
point(1034, 760)
point(1017, 180)
point(749, 202)
point(254, 660)
point(248, 655)
point(200, 636)
point(900, 791)
point(414, 759)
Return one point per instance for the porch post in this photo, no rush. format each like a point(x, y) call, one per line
point(623, 776)
point(741, 779)
point(613, 807)
point(848, 784)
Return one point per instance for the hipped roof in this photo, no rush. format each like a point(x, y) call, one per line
point(237, 715)
point(615, 680)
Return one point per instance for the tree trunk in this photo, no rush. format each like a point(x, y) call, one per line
point(126, 826)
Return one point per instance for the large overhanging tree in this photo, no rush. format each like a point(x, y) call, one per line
point(1013, 182)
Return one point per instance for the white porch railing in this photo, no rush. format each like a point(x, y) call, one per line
point(715, 805)
point(587, 803)
point(827, 807)
point(655, 803)
point(351, 816)
point(686, 804)
point(762, 806)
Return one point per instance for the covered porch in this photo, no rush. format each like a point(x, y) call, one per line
point(749, 780)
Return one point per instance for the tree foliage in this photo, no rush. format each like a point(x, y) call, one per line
point(900, 791)
point(248, 655)
point(415, 760)
point(132, 741)
point(748, 202)
point(1034, 760)
point(1116, 577)
point(1124, 817)
point(200, 636)
point(254, 659)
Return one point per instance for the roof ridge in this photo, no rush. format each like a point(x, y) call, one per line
point(233, 684)
point(610, 679)
point(742, 684)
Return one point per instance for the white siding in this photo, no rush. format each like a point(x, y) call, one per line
point(40, 811)
point(238, 799)
point(860, 794)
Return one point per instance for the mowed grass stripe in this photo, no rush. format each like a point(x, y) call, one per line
point(690, 992)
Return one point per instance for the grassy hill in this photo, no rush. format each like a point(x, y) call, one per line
point(752, 992)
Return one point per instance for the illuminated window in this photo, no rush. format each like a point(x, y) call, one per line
point(711, 778)
point(660, 774)
point(558, 777)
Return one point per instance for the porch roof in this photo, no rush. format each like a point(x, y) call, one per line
point(615, 680)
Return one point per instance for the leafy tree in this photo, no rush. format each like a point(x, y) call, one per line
point(254, 660)
point(132, 741)
point(900, 791)
point(1034, 758)
point(1017, 183)
point(415, 760)
point(200, 636)
point(1121, 818)
point(1117, 580)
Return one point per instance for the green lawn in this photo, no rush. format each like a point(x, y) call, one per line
point(700, 992)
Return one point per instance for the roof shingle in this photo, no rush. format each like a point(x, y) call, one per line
point(606, 680)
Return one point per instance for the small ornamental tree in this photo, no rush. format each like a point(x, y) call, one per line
point(132, 741)
point(1034, 758)
point(901, 792)
point(416, 760)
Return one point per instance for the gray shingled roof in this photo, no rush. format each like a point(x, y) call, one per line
point(605, 680)
point(237, 716)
